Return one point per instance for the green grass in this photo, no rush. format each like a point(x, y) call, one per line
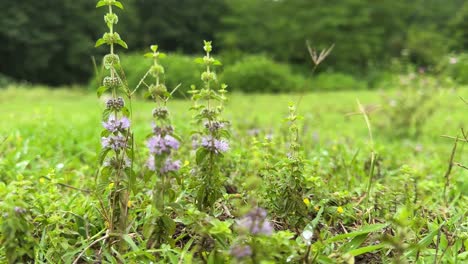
point(55, 134)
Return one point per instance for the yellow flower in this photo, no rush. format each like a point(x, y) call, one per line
point(307, 201)
point(41, 180)
point(316, 208)
point(186, 163)
point(111, 185)
point(340, 210)
point(129, 203)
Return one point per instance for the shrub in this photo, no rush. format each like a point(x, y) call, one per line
point(336, 82)
point(181, 68)
point(257, 73)
point(455, 67)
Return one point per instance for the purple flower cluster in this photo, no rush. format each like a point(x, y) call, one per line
point(117, 163)
point(169, 165)
point(214, 126)
point(240, 251)
point(215, 145)
point(162, 144)
point(113, 124)
point(256, 222)
point(115, 142)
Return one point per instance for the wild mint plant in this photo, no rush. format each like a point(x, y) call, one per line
point(212, 139)
point(161, 143)
point(116, 157)
point(286, 187)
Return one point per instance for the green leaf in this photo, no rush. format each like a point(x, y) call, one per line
point(365, 230)
point(148, 55)
point(102, 155)
point(101, 90)
point(199, 61)
point(364, 250)
point(130, 242)
point(118, 4)
point(100, 3)
point(162, 55)
point(99, 42)
point(126, 112)
point(426, 241)
point(154, 48)
point(122, 43)
point(354, 243)
point(217, 63)
point(201, 155)
point(105, 114)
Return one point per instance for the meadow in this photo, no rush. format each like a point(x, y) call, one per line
point(48, 163)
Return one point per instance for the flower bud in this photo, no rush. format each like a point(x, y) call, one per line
point(111, 38)
point(208, 60)
point(111, 82)
point(111, 18)
point(110, 60)
point(208, 76)
point(158, 90)
point(160, 113)
point(157, 69)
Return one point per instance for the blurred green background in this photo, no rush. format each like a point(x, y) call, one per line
point(262, 43)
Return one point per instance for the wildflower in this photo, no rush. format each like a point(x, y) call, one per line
point(169, 165)
point(256, 223)
point(214, 126)
point(165, 130)
point(215, 145)
point(115, 142)
point(159, 144)
point(160, 112)
point(115, 103)
point(340, 210)
point(113, 124)
point(307, 236)
point(241, 251)
point(19, 210)
point(306, 201)
point(117, 163)
point(453, 60)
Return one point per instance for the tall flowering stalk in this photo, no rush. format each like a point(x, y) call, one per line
point(161, 143)
point(116, 138)
point(212, 137)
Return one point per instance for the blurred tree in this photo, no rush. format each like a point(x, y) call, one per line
point(51, 41)
point(179, 25)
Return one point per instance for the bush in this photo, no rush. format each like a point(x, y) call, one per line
point(336, 82)
point(5, 81)
point(259, 74)
point(455, 67)
point(180, 69)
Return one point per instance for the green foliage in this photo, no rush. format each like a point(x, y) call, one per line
point(455, 66)
point(336, 82)
point(406, 111)
point(180, 69)
point(46, 152)
point(259, 74)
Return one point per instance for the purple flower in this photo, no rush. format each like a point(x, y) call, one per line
point(241, 251)
point(114, 125)
point(214, 144)
point(115, 142)
point(256, 222)
point(169, 165)
point(117, 163)
point(158, 145)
